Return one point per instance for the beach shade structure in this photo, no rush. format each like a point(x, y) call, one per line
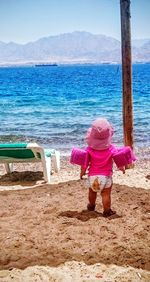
point(79, 157)
point(126, 72)
point(29, 152)
point(124, 157)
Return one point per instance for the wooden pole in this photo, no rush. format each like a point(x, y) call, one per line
point(126, 72)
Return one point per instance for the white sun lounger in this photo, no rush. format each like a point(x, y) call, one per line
point(29, 152)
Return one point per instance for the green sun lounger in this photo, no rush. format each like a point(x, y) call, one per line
point(29, 152)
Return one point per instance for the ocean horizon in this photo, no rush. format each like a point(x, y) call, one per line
point(54, 106)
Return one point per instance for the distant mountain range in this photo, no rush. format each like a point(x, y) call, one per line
point(75, 47)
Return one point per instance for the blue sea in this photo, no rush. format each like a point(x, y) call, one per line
point(54, 106)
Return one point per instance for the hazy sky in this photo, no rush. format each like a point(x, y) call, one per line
point(22, 21)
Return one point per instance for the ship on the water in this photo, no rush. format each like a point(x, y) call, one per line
point(46, 65)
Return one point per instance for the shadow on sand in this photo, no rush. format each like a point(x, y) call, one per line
point(86, 215)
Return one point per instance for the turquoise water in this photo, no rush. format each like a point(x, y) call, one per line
point(54, 106)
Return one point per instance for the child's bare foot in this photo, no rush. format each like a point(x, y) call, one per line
point(90, 207)
point(108, 213)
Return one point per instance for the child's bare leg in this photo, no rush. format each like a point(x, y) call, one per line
point(92, 199)
point(106, 198)
point(106, 201)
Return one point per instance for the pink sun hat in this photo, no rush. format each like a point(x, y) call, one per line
point(99, 136)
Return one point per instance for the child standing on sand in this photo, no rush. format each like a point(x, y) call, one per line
point(100, 164)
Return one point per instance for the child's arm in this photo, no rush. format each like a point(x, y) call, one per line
point(122, 169)
point(82, 172)
point(85, 166)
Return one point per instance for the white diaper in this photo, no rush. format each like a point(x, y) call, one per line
point(99, 182)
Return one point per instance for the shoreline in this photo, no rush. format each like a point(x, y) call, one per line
point(141, 149)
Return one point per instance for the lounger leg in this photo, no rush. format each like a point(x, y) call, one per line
point(8, 167)
point(56, 158)
point(46, 168)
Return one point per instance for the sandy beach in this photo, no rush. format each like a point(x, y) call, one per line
point(46, 233)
